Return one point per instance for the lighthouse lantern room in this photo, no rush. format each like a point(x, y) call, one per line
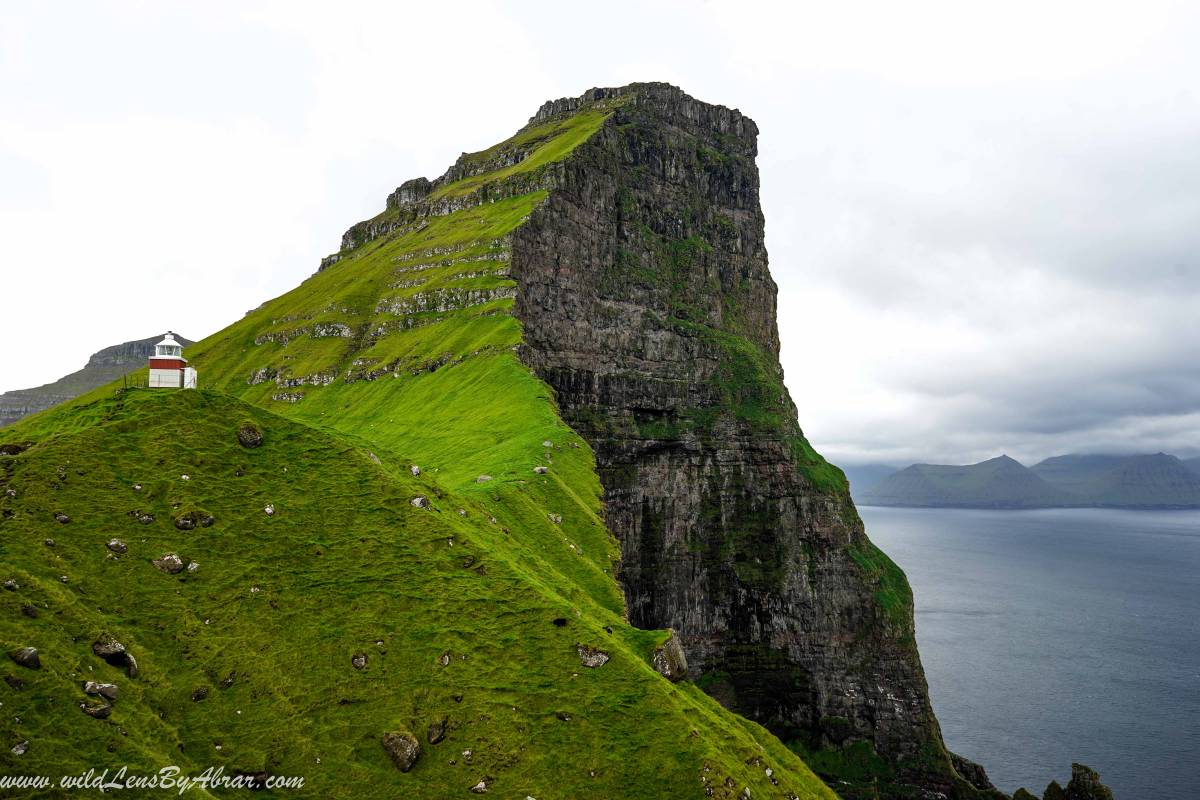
point(168, 368)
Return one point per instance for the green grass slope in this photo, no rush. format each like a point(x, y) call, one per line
point(269, 622)
point(401, 353)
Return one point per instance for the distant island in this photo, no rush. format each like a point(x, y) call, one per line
point(1157, 481)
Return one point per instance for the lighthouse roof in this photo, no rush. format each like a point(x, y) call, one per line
point(169, 339)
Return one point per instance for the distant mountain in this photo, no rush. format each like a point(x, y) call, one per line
point(997, 483)
point(1193, 464)
point(104, 366)
point(864, 477)
point(1140, 481)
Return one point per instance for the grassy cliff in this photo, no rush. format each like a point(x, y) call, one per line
point(372, 600)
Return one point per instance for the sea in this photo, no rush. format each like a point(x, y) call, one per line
point(1059, 635)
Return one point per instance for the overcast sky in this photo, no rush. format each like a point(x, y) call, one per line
point(984, 223)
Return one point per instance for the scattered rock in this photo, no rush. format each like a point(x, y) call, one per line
point(61, 517)
point(555, 518)
point(358, 660)
point(591, 657)
point(11, 585)
point(541, 470)
point(185, 477)
point(462, 512)
point(10, 492)
point(415, 470)
point(14, 682)
point(269, 509)
point(27, 657)
point(101, 711)
point(559, 622)
point(229, 679)
point(564, 716)
point(483, 479)
point(170, 563)
point(137, 487)
point(20, 748)
point(437, 730)
point(107, 690)
point(193, 566)
point(669, 660)
point(109, 648)
point(145, 519)
point(249, 436)
point(480, 788)
point(444, 659)
point(192, 520)
point(199, 693)
point(63, 579)
point(13, 448)
point(115, 653)
point(30, 611)
point(403, 748)
point(49, 542)
point(419, 502)
point(547, 444)
point(117, 546)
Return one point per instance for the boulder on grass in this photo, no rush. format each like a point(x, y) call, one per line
point(249, 436)
point(403, 748)
point(27, 657)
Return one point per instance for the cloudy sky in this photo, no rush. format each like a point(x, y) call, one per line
point(984, 222)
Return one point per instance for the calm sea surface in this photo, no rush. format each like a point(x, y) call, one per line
point(1057, 636)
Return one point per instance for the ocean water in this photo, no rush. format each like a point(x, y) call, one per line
point(1059, 635)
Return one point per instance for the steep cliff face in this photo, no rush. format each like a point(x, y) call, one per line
point(648, 306)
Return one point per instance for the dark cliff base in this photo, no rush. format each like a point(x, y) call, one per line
point(648, 305)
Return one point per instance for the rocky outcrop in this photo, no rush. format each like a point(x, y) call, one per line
point(1085, 785)
point(669, 660)
point(648, 306)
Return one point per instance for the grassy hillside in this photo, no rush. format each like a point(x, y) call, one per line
point(267, 626)
point(469, 609)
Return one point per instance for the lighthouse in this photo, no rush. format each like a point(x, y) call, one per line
point(168, 368)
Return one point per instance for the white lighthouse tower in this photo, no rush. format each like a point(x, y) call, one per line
point(168, 368)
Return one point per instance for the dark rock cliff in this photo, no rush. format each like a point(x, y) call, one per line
point(649, 307)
